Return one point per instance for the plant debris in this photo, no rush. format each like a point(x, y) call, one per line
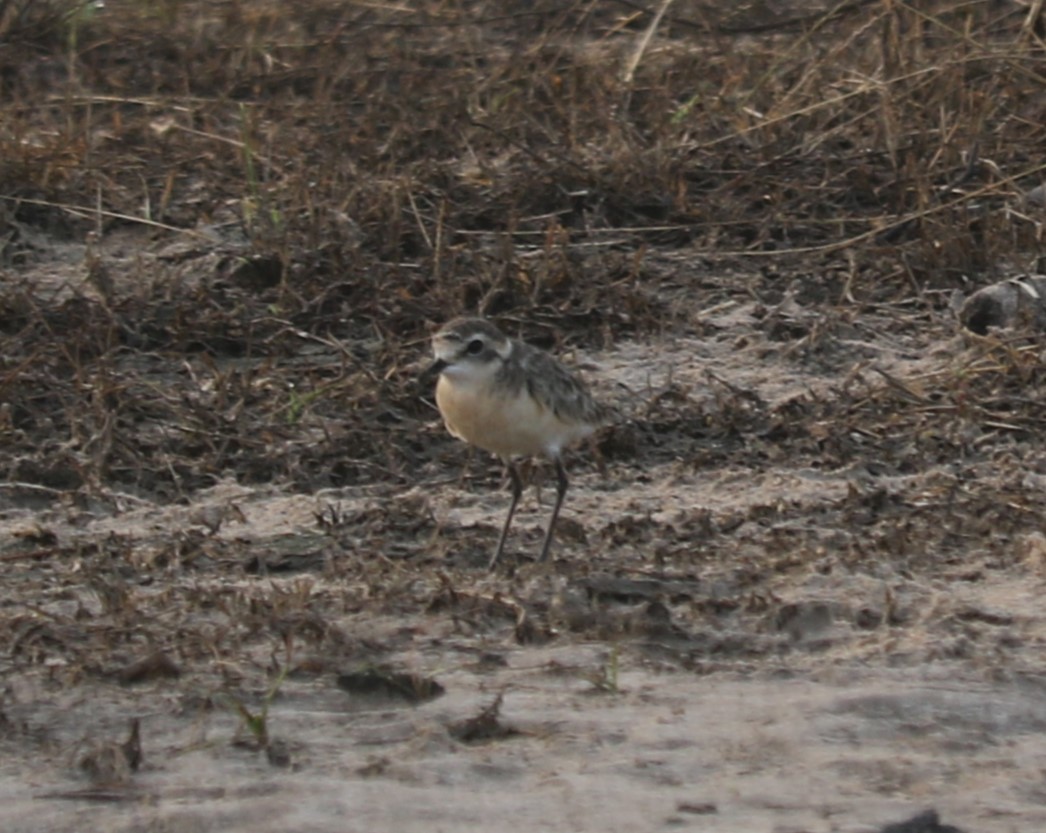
point(387, 684)
point(483, 727)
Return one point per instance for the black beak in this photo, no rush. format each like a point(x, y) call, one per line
point(432, 371)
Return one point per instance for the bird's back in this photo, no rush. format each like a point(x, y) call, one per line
point(553, 385)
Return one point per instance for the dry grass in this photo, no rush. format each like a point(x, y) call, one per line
point(365, 170)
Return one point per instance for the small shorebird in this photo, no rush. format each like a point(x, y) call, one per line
point(513, 400)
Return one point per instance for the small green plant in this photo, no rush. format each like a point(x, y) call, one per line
point(299, 402)
point(256, 203)
point(257, 723)
point(605, 678)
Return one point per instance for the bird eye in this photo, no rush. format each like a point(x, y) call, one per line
point(474, 347)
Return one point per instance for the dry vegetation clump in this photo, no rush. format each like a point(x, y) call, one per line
point(337, 178)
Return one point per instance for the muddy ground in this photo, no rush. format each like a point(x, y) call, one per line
point(795, 588)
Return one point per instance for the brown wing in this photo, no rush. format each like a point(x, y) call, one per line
point(558, 389)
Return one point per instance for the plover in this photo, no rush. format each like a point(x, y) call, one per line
point(513, 400)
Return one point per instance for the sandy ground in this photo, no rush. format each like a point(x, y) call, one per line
point(731, 637)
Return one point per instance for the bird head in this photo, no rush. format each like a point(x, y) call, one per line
point(468, 348)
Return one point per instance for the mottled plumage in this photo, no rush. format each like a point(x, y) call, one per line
point(511, 399)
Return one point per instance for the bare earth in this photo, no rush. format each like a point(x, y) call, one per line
point(719, 645)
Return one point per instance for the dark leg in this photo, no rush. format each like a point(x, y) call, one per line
point(561, 490)
point(517, 491)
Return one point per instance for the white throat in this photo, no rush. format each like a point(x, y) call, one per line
point(470, 373)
